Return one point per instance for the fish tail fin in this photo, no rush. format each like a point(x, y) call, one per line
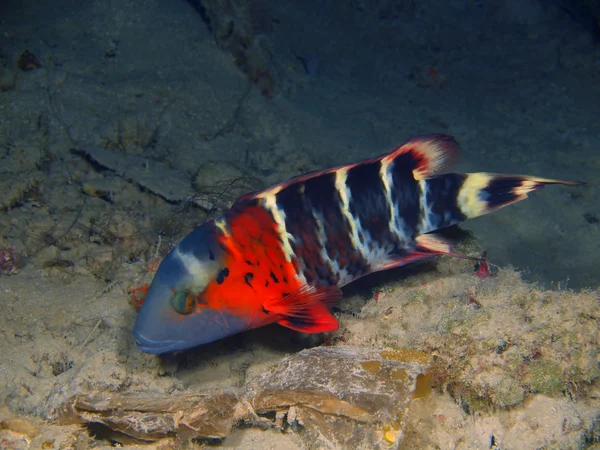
point(482, 193)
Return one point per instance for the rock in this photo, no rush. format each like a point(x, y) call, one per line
point(172, 185)
point(344, 397)
point(21, 426)
point(206, 415)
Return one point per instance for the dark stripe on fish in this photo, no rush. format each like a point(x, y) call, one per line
point(368, 203)
point(500, 191)
point(406, 194)
point(311, 204)
point(443, 200)
point(301, 224)
point(369, 206)
point(327, 206)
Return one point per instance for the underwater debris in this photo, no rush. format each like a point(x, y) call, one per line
point(13, 441)
point(482, 268)
point(138, 295)
point(28, 61)
point(100, 188)
point(20, 426)
point(339, 396)
point(8, 261)
point(19, 189)
point(224, 183)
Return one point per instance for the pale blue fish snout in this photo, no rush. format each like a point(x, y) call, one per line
point(188, 268)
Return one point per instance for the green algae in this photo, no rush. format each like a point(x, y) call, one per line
point(508, 392)
point(546, 377)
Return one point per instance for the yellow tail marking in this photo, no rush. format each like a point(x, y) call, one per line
point(469, 201)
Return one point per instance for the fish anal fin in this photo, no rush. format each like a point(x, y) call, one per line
point(428, 246)
point(432, 154)
point(434, 244)
point(307, 309)
point(393, 263)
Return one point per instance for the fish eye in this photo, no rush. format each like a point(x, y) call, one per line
point(184, 302)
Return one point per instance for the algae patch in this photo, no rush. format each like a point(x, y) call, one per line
point(546, 377)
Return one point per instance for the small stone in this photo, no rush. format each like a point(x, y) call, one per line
point(28, 61)
point(21, 426)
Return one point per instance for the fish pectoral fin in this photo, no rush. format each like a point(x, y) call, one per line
point(318, 320)
point(307, 309)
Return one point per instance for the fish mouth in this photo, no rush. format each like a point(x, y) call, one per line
point(156, 347)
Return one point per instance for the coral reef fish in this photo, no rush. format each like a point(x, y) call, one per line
point(281, 255)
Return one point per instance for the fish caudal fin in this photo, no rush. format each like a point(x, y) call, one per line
point(307, 309)
point(482, 193)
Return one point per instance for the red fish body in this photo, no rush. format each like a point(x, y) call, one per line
point(282, 255)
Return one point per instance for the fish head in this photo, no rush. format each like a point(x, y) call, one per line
point(175, 314)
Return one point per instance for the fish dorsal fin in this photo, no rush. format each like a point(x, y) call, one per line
point(430, 154)
point(427, 155)
point(306, 309)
